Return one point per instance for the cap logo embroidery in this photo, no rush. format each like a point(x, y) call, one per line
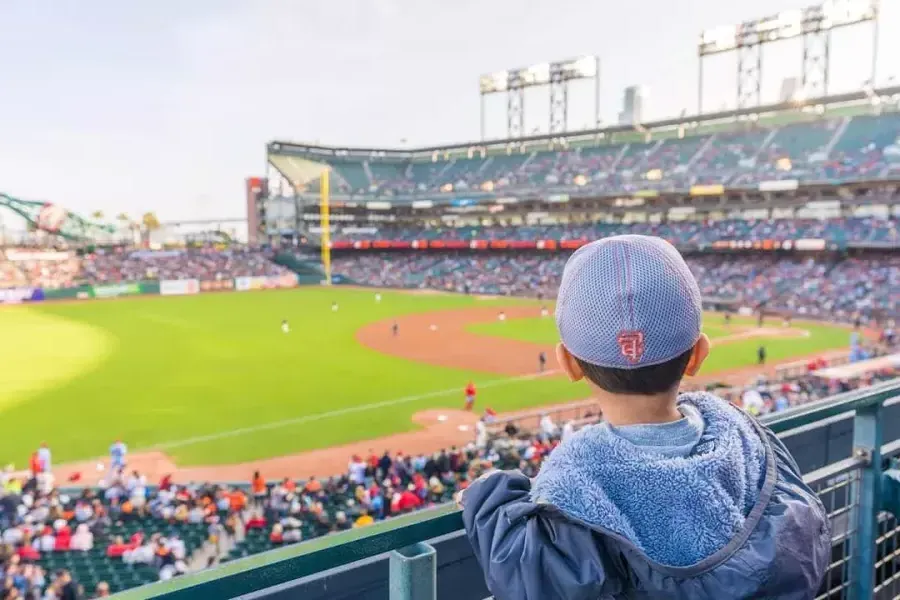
point(631, 344)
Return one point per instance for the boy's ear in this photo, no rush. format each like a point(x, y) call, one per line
point(698, 355)
point(568, 363)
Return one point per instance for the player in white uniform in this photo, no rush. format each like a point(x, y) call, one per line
point(285, 327)
point(334, 306)
point(377, 298)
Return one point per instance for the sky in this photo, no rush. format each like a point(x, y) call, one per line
point(167, 105)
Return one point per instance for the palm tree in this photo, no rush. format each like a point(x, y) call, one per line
point(150, 222)
point(97, 215)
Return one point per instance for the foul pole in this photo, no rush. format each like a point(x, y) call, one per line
point(325, 236)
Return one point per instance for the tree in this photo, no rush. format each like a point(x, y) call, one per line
point(150, 222)
point(97, 215)
point(123, 218)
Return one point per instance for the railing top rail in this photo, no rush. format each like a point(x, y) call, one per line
point(300, 560)
point(287, 564)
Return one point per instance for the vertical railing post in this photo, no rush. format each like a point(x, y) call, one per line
point(413, 573)
point(867, 433)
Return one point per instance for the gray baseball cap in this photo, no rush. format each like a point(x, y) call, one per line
point(627, 302)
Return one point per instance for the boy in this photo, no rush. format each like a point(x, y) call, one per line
point(671, 497)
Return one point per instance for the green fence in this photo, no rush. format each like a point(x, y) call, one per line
point(857, 491)
point(113, 290)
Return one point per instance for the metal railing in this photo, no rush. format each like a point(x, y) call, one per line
point(862, 499)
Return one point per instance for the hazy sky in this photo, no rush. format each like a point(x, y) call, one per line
point(167, 105)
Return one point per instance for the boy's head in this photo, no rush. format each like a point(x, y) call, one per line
point(629, 316)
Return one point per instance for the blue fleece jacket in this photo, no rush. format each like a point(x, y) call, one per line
point(678, 510)
point(621, 512)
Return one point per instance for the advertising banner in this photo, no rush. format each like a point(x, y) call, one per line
point(19, 295)
point(246, 284)
point(21, 255)
point(783, 185)
point(179, 287)
point(707, 190)
point(287, 281)
point(216, 285)
point(70, 293)
point(114, 291)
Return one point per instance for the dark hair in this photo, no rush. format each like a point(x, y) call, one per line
point(644, 381)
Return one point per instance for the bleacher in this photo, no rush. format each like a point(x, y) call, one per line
point(93, 566)
point(847, 144)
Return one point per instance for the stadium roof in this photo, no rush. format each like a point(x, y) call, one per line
point(852, 98)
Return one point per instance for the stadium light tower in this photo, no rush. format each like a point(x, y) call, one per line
point(555, 75)
point(814, 24)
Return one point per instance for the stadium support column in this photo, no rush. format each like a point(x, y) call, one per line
point(515, 107)
point(325, 236)
point(482, 118)
point(816, 54)
point(559, 100)
point(700, 85)
point(597, 119)
point(749, 73)
point(875, 19)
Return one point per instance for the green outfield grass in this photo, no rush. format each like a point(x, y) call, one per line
point(725, 354)
point(163, 371)
point(211, 379)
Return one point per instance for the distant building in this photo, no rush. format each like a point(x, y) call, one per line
point(633, 105)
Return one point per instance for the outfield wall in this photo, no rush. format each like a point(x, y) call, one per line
point(169, 287)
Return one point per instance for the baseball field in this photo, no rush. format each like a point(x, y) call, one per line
point(213, 380)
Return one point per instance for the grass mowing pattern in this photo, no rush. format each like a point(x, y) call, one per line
point(183, 367)
point(158, 371)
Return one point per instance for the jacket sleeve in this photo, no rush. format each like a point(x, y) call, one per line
point(529, 551)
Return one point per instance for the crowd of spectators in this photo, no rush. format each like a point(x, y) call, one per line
point(58, 545)
point(827, 149)
point(375, 487)
point(206, 264)
point(770, 395)
point(22, 267)
point(834, 287)
point(688, 234)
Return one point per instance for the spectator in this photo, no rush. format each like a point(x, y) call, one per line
point(68, 589)
point(117, 455)
point(649, 435)
point(83, 539)
point(44, 458)
point(102, 590)
point(258, 488)
point(363, 519)
point(548, 427)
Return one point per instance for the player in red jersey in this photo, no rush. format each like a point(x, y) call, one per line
point(470, 396)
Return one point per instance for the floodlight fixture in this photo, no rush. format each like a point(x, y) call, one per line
point(555, 75)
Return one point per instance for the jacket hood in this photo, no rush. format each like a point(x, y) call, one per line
point(678, 510)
